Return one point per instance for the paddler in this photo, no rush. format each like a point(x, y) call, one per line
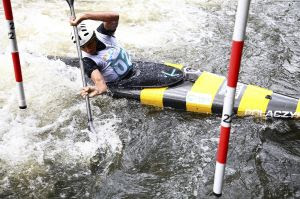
point(105, 61)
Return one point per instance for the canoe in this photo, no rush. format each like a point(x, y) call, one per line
point(178, 87)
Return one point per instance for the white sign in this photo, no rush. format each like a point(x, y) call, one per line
point(199, 98)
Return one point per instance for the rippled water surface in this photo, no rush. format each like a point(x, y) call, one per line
point(46, 151)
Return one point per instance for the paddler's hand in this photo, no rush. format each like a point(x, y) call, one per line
point(77, 20)
point(91, 91)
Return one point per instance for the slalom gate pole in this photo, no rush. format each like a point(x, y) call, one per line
point(14, 53)
point(232, 78)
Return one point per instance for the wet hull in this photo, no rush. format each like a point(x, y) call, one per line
point(206, 95)
point(203, 92)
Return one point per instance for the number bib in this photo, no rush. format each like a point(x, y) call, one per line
point(121, 63)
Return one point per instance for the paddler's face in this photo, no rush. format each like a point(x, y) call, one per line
point(90, 47)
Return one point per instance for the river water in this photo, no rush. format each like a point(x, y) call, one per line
point(46, 150)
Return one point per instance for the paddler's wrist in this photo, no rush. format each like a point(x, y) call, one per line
point(84, 16)
point(98, 90)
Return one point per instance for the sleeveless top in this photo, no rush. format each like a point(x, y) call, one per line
point(111, 60)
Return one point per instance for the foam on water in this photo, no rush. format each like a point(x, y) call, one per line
point(47, 151)
point(51, 88)
point(51, 92)
point(53, 129)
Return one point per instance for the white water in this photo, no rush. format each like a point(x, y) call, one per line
point(54, 126)
point(48, 144)
point(51, 88)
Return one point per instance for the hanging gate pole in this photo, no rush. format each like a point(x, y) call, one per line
point(14, 53)
point(233, 73)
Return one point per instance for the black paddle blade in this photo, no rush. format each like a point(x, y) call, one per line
point(70, 2)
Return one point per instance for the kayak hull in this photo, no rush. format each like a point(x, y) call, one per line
point(197, 91)
point(206, 95)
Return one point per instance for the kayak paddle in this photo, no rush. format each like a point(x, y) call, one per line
point(88, 106)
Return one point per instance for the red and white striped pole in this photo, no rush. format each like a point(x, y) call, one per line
point(233, 73)
point(14, 53)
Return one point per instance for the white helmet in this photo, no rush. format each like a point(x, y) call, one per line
point(85, 33)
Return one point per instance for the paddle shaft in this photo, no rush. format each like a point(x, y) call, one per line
point(88, 106)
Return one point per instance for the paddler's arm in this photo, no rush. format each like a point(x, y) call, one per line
point(110, 19)
point(99, 88)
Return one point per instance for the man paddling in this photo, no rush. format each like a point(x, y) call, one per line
point(104, 60)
